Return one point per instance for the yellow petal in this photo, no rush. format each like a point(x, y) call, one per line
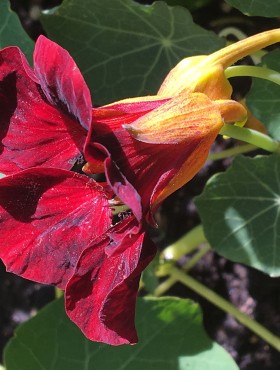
point(210, 80)
point(232, 111)
point(178, 78)
point(206, 73)
point(181, 119)
point(193, 163)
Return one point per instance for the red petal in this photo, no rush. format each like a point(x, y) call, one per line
point(101, 296)
point(146, 168)
point(48, 217)
point(154, 170)
point(61, 80)
point(33, 132)
point(106, 121)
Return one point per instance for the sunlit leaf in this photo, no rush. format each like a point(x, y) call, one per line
point(170, 332)
point(263, 8)
point(240, 211)
point(124, 48)
point(11, 31)
point(264, 97)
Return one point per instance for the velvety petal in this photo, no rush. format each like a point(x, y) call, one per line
point(153, 170)
point(101, 295)
point(47, 218)
point(61, 80)
point(112, 118)
point(115, 115)
point(32, 131)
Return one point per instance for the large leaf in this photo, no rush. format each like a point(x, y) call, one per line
point(123, 48)
point(240, 211)
point(263, 8)
point(171, 338)
point(264, 97)
point(189, 4)
point(11, 31)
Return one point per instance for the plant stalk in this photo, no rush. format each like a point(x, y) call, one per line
point(170, 281)
point(252, 137)
point(232, 152)
point(226, 306)
point(184, 245)
point(253, 71)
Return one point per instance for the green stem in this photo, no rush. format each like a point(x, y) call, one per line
point(170, 281)
point(184, 245)
point(253, 71)
point(251, 136)
point(223, 304)
point(232, 152)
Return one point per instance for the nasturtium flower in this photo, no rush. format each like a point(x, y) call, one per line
point(56, 228)
point(45, 112)
point(150, 171)
point(56, 225)
point(151, 146)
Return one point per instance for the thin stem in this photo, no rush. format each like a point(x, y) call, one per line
point(232, 152)
point(252, 137)
point(170, 281)
point(225, 32)
point(226, 306)
point(195, 258)
point(253, 71)
point(184, 245)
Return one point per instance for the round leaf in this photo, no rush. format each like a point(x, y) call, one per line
point(123, 48)
point(264, 97)
point(11, 31)
point(262, 8)
point(240, 212)
point(171, 337)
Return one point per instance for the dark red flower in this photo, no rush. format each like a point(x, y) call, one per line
point(55, 228)
point(45, 112)
point(152, 146)
point(47, 218)
point(101, 295)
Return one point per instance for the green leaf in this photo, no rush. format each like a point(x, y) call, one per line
point(264, 97)
point(240, 212)
point(189, 4)
point(263, 8)
point(149, 278)
point(11, 31)
point(171, 337)
point(123, 48)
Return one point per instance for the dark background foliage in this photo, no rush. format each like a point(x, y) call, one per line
point(248, 289)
